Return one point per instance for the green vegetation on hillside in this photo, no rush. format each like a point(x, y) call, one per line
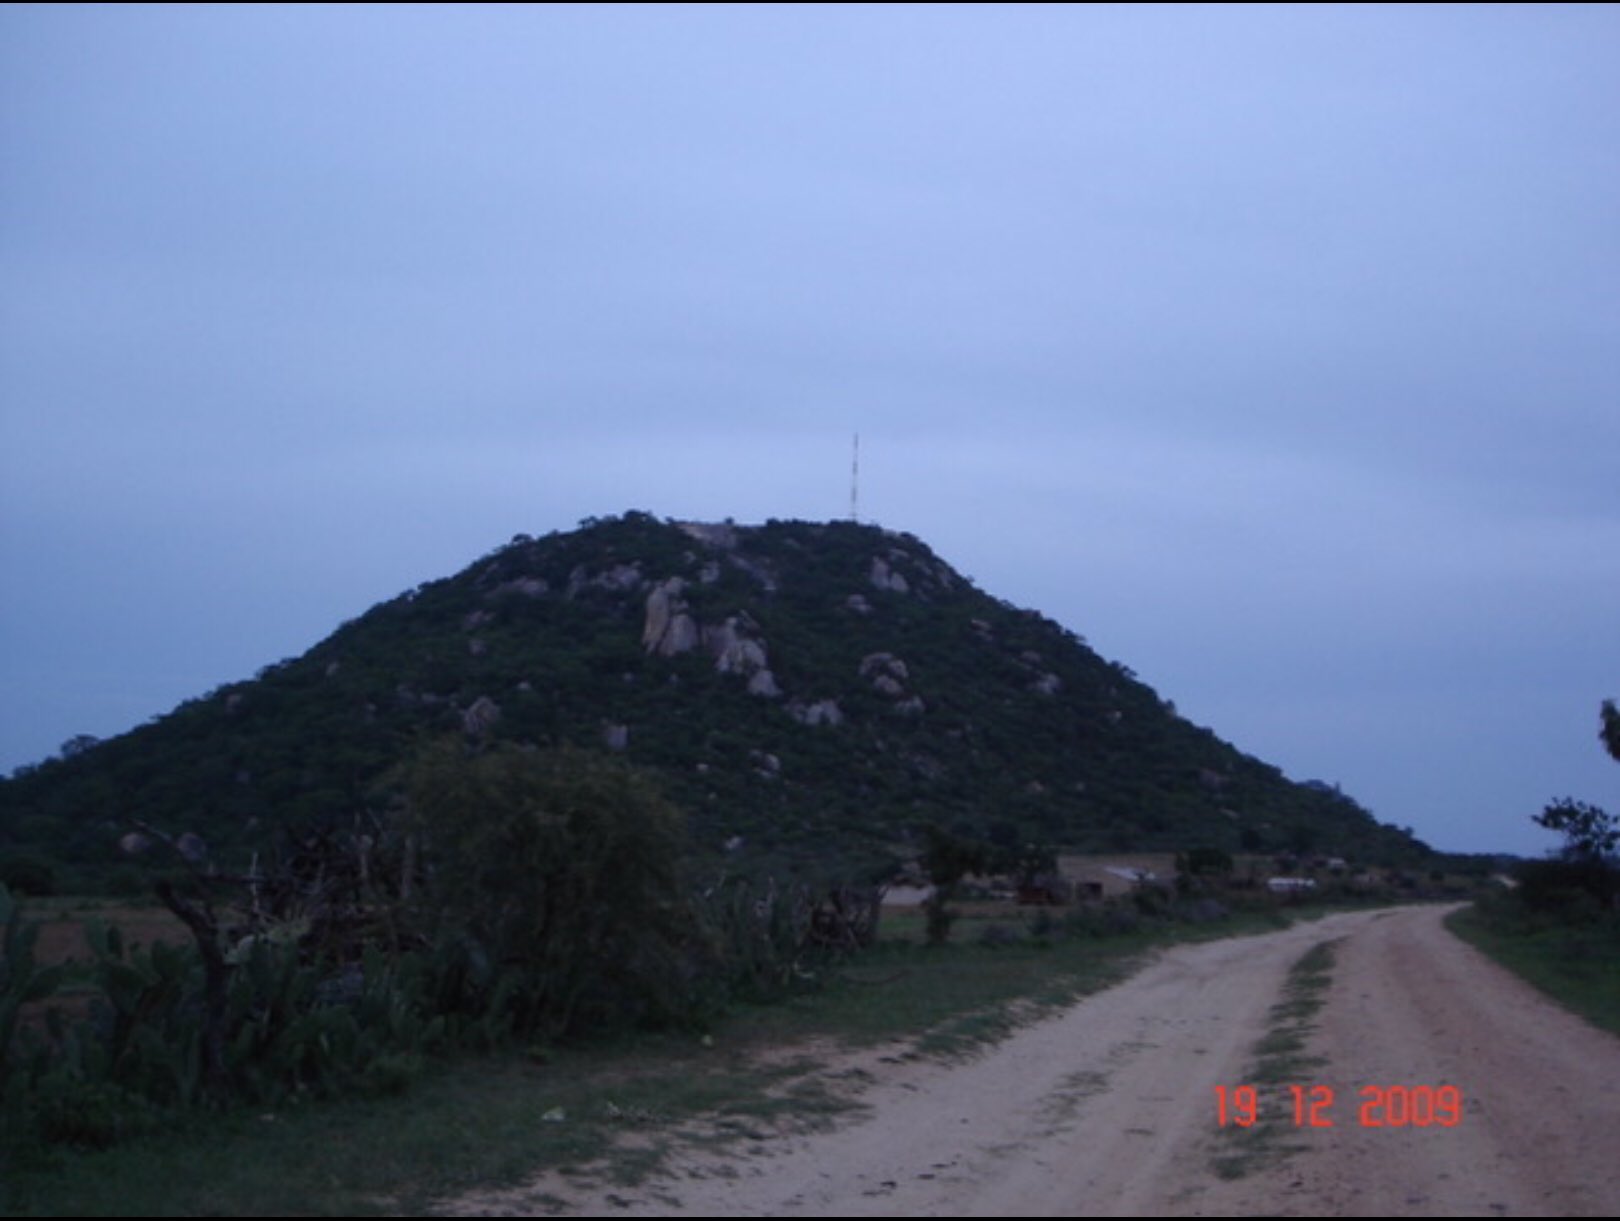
point(620, 779)
point(894, 694)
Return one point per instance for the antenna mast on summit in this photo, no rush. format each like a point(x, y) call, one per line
point(855, 481)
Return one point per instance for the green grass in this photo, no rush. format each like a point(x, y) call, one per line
point(489, 1122)
point(1279, 1060)
point(498, 1121)
point(1577, 964)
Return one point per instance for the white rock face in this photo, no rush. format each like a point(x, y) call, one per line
point(822, 712)
point(884, 577)
point(621, 578)
point(735, 649)
point(763, 683)
point(884, 664)
point(760, 573)
point(669, 627)
point(714, 533)
point(481, 716)
point(529, 587)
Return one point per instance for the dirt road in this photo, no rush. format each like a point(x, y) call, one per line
point(1109, 1109)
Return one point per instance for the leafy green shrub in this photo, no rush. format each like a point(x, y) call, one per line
point(757, 936)
point(1573, 888)
point(555, 877)
point(22, 980)
point(1201, 911)
point(27, 874)
point(996, 935)
point(70, 1110)
point(1151, 901)
point(1042, 925)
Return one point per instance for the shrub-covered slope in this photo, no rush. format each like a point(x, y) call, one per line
point(805, 690)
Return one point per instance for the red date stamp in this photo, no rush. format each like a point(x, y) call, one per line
point(1380, 1106)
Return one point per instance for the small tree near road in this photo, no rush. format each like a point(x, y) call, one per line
point(1590, 833)
point(559, 873)
point(1591, 837)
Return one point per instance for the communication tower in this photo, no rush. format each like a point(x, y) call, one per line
point(855, 481)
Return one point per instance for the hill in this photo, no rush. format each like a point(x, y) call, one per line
point(811, 692)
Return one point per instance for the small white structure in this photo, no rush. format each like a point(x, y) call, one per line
point(1282, 886)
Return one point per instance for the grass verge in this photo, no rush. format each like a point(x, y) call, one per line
point(496, 1122)
point(1280, 1060)
point(1577, 964)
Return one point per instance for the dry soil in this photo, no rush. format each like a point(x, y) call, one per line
point(1109, 1110)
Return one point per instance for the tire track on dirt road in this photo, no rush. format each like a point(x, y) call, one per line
point(1108, 1108)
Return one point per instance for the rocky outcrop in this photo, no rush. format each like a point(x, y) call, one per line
point(763, 683)
point(884, 665)
point(718, 534)
point(669, 627)
point(821, 712)
point(734, 643)
point(884, 577)
point(738, 649)
point(888, 675)
point(481, 716)
point(755, 569)
point(886, 684)
point(527, 587)
point(619, 578)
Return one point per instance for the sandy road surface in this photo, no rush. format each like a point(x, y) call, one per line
point(1108, 1109)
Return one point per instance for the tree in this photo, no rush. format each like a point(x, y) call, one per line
point(1590, 834)
point(948, 859)
point(557, 873)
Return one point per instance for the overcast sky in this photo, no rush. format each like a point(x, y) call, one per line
point(1274, 351)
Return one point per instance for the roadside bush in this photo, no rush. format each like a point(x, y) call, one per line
point(26, 874)
point(1151, 901)
point(1201, 911)
point(556, 873)
point(1576, 889)
point(755, 943)
point(69, 1110)
point(996, 935)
